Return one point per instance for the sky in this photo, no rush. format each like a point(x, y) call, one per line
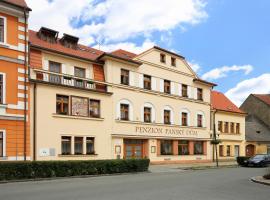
point(225, 41)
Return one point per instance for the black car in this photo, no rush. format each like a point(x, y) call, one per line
point(259, 160)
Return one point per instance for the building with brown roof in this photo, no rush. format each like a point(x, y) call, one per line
point(229, 122)
point(257, 123)
point(89, 104)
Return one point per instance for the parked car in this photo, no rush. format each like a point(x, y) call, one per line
point(259, 160)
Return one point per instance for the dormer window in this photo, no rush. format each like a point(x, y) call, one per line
point(69, 41)
point(162, 58)
point(173, 61)
point(48, 35)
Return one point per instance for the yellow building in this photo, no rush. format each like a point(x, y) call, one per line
point(88, 104)
point(229, 122)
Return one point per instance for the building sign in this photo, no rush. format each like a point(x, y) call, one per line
point(79, 106)
point(166, 131)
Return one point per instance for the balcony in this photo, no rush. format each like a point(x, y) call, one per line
point(58, 79)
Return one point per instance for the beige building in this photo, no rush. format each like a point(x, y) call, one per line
point(230, 127)
point(88, 104)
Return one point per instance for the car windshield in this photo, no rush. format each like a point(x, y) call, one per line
point(258, 157)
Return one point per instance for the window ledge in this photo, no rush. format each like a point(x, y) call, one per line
point(4, 45)
point(77, 117)
point(3, 105)
point(79, 155)
point(181, 155)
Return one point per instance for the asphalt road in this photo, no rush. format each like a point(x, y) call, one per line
point(211, 184)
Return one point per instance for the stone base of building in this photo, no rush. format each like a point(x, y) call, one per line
point(180, 162)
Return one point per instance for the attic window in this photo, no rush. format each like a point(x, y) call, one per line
point(69, 41)
point(173, 61)
point(162, 58)
point(48, 35)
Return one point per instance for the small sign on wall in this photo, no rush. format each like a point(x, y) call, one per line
point(153, 149)
point(44, 152)
point(118, 149)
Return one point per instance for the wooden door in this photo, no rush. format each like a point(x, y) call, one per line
point(250, 150)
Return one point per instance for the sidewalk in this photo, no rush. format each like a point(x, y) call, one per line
point(182, 167)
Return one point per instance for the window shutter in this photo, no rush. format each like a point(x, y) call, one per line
point(131, 78)
point(46, 65)
point(141, 80)
point(179, 89)
point(153, 83)
point(172, 88)
point(64, 71)
point(71, 70)
point(161, 88)
point(87, 73)
point(195, 93)
point(190, 95)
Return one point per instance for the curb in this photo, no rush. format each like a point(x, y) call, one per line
point(68, 177)
point(208, 167)
point(262, 181)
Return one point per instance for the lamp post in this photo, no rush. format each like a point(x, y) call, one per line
point(215, 142)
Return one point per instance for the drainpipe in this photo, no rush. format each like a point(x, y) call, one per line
point(34, 123)
point(25, 87)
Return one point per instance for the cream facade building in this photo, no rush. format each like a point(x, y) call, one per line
point(87, 104)
point(230, 127)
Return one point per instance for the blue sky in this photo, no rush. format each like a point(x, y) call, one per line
point(225, 41)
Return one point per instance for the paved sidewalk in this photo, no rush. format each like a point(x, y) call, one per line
point(261, 180)
point(182, 167)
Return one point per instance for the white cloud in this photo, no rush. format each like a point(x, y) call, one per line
point(114, 20)
point(223, 71)
point(195, 66)
point(257, 85)
point(129, 46)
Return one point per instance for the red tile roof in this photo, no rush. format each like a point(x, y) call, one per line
point(124, 54)
point(82, 51)
point(220, 102)
point(20, 3)
point(263, 97)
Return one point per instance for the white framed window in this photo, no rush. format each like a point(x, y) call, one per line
point(200, 119)
point(2, 143)
point(168, 115)
point(3, 30)
point(185, 117)
point(124, 110)
point(146, 108)
point(2, 88)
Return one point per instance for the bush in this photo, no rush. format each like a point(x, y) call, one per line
point(46, 169)
point(240, 160)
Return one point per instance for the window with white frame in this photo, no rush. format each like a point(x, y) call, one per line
point(2, 88)
point(168, 115)
point(2, 29)
point(148, 113)
point(200, 119)
point(185, 117)
point(124, 110)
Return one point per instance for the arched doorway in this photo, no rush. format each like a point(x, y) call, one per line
point(250, 150)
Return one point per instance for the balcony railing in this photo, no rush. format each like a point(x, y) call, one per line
point(66, 80)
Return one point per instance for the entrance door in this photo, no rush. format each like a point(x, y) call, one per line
point(236, 150)
point(133, 149)
point(250, 150)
